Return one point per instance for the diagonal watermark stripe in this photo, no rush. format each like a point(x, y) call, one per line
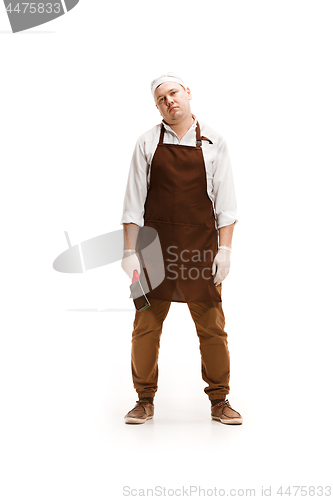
point(70, 4)
point(25, 15)
point(108, 248)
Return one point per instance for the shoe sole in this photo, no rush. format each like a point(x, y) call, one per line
point(132, 420)
point(232, 421)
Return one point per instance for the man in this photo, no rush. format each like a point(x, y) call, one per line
point(180, 183)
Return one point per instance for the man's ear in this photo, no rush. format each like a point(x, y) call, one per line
point(188, 92)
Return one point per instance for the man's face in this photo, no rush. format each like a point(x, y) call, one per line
point(173, 102)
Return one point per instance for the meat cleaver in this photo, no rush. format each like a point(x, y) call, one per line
point(138, 295)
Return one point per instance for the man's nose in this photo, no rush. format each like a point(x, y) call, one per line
point(169, 99)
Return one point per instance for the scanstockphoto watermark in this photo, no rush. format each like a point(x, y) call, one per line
point(187, 491)
point(198, 491)
point(188, 264)
point(25, 15)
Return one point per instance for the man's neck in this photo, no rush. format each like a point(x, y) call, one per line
point(182, 127)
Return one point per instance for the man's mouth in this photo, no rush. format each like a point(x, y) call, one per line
point(173, 107)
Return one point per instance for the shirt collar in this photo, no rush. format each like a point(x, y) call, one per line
point(169, 129)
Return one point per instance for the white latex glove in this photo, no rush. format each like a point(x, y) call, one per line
point(221, 264)
point(130, 263)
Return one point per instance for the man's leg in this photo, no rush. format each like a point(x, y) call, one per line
point(215, 360)
point(145, 347)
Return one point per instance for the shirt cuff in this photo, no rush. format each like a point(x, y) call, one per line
point(133, 217)
point(226, 218)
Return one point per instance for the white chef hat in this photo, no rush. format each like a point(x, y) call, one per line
point(167, 77)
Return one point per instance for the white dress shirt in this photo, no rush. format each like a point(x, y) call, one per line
point(220, 185)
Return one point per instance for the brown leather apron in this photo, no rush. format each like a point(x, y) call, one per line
point(180, 210)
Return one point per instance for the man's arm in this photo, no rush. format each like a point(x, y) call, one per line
point(226, 212)
point(225, 235)
point(131, 232)
point(223, 188)
point(133, 211)
point(130, 261)
point(221, 264)
point(136, 189)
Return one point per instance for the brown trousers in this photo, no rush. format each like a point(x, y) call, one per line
point(215, 361)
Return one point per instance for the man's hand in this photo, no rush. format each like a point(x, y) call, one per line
point(130, 263)
point(221, 264)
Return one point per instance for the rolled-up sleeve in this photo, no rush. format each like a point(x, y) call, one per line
point(136, 190)
point(223, 187)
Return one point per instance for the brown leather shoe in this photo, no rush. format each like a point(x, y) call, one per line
point(141, 412)
point(224, 413)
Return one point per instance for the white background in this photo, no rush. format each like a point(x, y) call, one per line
point(75, 95)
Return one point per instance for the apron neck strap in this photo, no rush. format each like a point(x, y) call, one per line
point(161, 134)
point(198, 135)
